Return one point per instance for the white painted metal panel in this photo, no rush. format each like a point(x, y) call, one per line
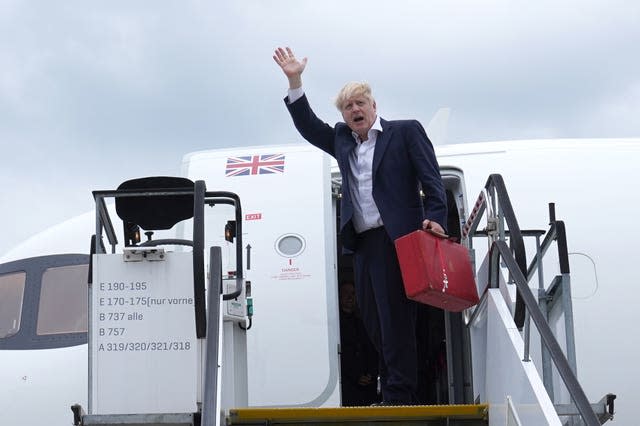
point(508, 375)
point(143, 352)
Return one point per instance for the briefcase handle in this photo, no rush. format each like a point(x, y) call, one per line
point(443, 236)
point(436, 233)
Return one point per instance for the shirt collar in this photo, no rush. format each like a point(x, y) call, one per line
point(377, 125)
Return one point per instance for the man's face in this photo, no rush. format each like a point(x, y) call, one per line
point(359, 113)
point(347, 297)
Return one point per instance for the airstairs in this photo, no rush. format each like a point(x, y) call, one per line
point(505, 375)
point(175, 344)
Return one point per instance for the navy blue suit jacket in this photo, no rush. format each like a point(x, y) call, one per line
point(403, 162)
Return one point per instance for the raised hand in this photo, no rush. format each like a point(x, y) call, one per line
point(291, 66)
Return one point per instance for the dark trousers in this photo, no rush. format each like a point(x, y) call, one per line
point(388, 315)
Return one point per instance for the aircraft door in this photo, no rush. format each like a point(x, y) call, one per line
point(288, 236)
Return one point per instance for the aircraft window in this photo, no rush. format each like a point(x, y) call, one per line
point(11, 295)
point(63, 300)
point(290, 245)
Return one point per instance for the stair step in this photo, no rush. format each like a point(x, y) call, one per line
point(406, 415)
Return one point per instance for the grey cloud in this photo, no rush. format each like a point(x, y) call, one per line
point(92, 93)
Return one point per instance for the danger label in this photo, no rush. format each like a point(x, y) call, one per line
point(290, 274)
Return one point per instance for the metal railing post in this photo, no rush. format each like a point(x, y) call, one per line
point(210, 393)
point(547, 372)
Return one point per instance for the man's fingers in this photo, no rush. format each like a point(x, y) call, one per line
point(284, 54)
point(436, 227)
point(280, 54)
point(287, 61)
point(430, 224)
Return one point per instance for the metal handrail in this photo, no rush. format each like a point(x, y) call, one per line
point(500, 250)
point(212, 350)
point(199, 303)
point(495, 185)
point(225, 197)
point(557, 232)
point(103, 220)
point(106, 223)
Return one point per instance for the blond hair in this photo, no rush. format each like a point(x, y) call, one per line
point(352, 90)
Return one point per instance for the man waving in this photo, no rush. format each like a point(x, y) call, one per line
point(384, 165)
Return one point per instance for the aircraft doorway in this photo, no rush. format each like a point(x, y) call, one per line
point(437, 383)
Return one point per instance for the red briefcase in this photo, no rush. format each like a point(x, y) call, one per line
point(436, 271)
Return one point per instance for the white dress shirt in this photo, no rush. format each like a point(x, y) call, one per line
point(365, 212)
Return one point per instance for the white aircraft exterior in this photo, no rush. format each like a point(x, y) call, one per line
point(289, 215)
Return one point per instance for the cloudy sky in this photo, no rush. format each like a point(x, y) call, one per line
point(94, 93)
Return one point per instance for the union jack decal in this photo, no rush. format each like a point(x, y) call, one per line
point(255, 165)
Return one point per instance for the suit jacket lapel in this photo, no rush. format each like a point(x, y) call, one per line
point(345, 146)
point(381, 145)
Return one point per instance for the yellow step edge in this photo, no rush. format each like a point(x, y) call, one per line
point(405, 412)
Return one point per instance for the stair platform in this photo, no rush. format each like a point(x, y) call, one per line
point(429, 415)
